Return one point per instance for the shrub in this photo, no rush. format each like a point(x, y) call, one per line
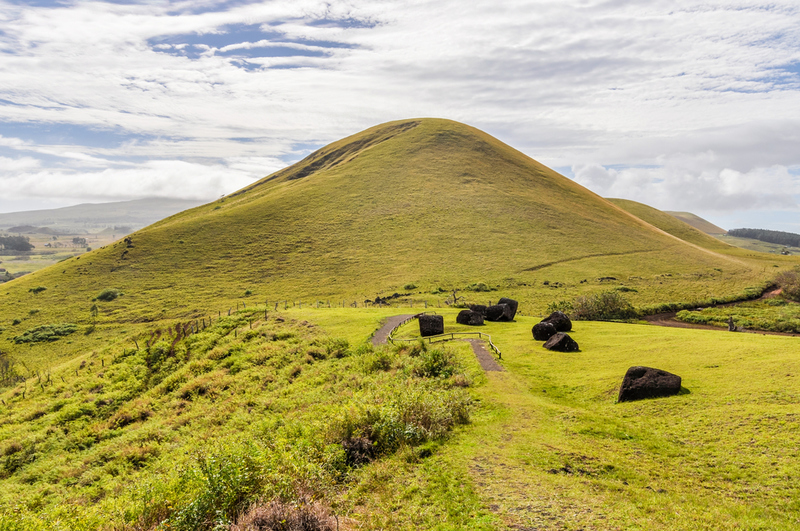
point(37, 290)
point(108, 295)
point(435, 363)
point(410, 286)
point(304, 514)
point(51, 332)
point(600, 306)
point(789, 282)
point(478, 286)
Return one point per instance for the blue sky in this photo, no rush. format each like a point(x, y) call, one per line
point(691, 106)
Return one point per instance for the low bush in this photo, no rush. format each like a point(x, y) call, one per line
point(51, 332)
point(108, 295)
point(789, 282)
point(602, 306)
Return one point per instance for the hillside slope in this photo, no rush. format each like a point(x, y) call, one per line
point(672, 224)
point(697, 222)
point(428, 202)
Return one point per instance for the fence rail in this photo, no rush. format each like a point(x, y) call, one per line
point(450, 336)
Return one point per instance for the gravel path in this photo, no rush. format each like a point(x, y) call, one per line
point(484, 355)
point(382, 333)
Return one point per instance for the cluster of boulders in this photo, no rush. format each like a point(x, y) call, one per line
point(639, 382)
point(552, 330)
point(503, 311)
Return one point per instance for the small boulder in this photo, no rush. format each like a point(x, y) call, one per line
point(646, 382)
point(431, 325)
point(512, 306)
point(561, 342)
point(560, 321)
point(498, 312)
point(469, 317)
point(544, 331)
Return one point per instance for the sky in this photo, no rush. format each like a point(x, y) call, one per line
point(682, 105)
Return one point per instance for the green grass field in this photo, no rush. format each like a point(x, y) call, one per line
point(547, 446)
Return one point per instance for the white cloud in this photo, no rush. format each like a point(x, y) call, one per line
point(701, 95)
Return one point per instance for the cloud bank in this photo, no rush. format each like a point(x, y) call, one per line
point(682, 105)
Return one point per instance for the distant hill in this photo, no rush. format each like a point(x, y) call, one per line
point(93, 217)
point(697, 222)
point(675, 225)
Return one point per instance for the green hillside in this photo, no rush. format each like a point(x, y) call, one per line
point(674, 225)
point(697, 222)
point(432, 203)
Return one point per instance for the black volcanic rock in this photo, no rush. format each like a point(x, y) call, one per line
point(560, 321)
point(646, 382)
point(480, 308)
point(431, 325)
point(498, 312)
point(512, 305)
point(561, 342)
point(543, 331)
point(469, 317)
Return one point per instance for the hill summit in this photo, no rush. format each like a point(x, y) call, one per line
point(424, 202)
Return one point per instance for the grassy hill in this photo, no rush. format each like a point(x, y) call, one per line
point(697, 222)
point(428, 203)
point(675, 225)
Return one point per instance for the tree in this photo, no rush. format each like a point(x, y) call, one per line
point(16, 243)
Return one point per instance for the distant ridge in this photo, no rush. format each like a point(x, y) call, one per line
point(92, 217)
point(697, 222)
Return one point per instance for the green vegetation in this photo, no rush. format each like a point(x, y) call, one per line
point(194, 429)
point(787, 239)
point(603, 306)
point(15, 243)
point(46, 333)
point(108, 295)
point(772, 315)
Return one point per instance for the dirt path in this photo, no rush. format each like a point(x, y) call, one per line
point(382, 333)
point(668, 319)
point(485, 357)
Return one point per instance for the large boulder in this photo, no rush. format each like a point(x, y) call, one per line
point(544, 331)
point(512, 306)
point(431, 325)
point(646, 382)
point(561, 342)
point(469, 317)
point(480, 308)
point(498, 312)
point(560, 321)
